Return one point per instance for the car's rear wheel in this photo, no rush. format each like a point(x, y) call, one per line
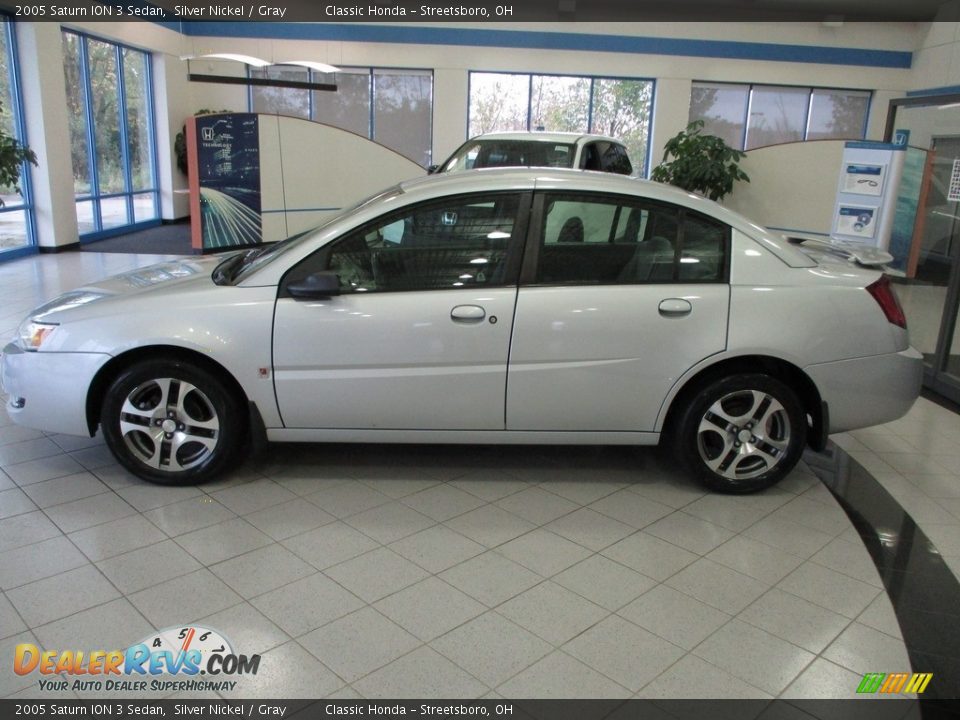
point(741, 433)
point(172, 423)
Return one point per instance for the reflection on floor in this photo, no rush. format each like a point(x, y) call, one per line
point(448, 572)
point(924, 591)
point(460, 571)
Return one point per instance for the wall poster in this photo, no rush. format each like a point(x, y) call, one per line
point(863, 179)
point(228, 164)
point(857, 221)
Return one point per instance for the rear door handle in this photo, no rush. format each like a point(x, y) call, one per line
point(675, 307)
point(468, 314)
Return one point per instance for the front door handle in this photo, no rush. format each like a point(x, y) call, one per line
point(468, 314)
point(675, 307)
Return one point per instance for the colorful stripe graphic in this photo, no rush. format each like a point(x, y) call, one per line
point(893, 683)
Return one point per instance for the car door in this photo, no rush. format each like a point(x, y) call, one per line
point(418, 336)
point(618, 298)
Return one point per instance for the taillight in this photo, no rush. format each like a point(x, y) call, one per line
point(886, 298)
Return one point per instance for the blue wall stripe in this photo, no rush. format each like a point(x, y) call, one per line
point(420, 35)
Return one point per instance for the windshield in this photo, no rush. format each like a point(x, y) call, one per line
point(235, 267)
point(482, 153)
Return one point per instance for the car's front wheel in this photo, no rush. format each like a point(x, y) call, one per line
point(741, 433)
point(172, 423)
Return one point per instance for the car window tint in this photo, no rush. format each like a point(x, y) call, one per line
point(590, 240)
point(590, 159)
point(702, 253)
point(459, 242)
point(615, 160)
point(464, 159)
point(522, 153)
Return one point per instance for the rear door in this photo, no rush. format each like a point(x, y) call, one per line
point(619, 297)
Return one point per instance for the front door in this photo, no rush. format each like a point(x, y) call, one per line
point(419, 336)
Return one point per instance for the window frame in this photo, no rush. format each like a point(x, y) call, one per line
point(95, 196)
point(590, 109)
point(811, 89)
point(536, 233)
point(20, 129)
point(370, 72)
point(319, 259)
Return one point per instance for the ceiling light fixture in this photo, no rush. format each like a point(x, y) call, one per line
point(247, 59)
point(312, 65)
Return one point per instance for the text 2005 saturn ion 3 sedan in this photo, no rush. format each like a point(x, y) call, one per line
point(492, 306)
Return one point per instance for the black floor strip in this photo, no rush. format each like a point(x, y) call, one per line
point(924, 591)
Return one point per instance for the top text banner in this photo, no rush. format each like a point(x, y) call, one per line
point(184, 11)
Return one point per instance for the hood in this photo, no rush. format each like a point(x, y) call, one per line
point(158, 274)
point(165, 274)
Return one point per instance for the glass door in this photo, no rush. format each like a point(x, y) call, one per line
point(931, 298)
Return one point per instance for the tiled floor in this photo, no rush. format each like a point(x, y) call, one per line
point(460, 572)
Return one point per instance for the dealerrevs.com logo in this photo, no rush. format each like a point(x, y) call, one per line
point(171, 660)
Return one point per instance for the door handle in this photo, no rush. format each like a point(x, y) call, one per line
point(468, 314)
point(675, 307)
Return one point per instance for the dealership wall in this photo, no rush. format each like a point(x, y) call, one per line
point(176, 97)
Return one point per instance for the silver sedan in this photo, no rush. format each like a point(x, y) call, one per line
point(491, 306)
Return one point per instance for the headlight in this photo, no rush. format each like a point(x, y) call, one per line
point(32, 334)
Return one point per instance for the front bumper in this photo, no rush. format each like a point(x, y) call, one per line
point(48, 391)
point(870, 390)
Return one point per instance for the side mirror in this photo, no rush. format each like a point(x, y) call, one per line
point(432, 169)
point(319, 285)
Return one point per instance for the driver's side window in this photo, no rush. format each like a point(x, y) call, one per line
point(454, 243)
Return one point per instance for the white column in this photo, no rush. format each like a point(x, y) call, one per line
point(48, 132)
point(171, 98)
point(671, 112)
point(450, 108)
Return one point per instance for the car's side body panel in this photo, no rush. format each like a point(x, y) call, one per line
point(394, 360)
point(228, 325)
point(594, 358)
point(460, 437)
point(52, 387)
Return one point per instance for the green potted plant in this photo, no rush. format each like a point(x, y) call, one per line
point(700, 163)
point(12, 157)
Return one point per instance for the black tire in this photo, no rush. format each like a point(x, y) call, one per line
point(741, 433)
point(193, 426)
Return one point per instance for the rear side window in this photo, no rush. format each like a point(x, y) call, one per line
point(591, 240)
point(605, 156)
point(703, 250)
point(511, 153)
point(615, 160)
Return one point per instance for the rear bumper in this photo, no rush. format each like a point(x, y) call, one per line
point(868, 391)
point(48, 391)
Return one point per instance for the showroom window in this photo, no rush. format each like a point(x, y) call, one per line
point(391, 107)
point(751, 116)
point(458, 243)
point(589, 240)
point(110, 104)
point(16, 213)
point(617, 107)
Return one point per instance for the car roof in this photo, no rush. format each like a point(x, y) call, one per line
point(524, 178)
point(538, 136)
